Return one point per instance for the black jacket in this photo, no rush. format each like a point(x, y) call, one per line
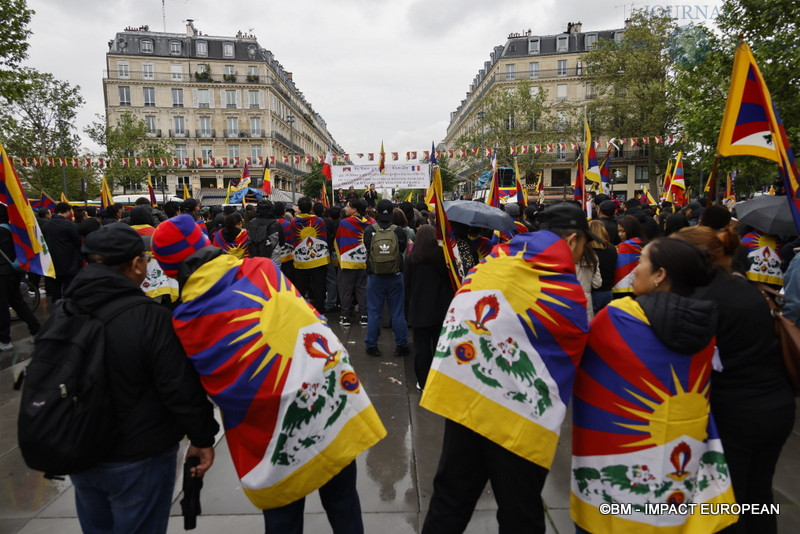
point(607, 259)
point(428, 292)
point(682, 324)
point(402, 241)
point(611, 228)
point(64, 243)
point(154, 389)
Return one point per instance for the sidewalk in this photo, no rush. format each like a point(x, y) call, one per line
point(395, 478)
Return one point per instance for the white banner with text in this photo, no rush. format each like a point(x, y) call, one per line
point(394, 176)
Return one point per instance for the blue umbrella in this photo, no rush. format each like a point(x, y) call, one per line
point(478, 214)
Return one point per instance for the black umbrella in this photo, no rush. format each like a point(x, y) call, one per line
point(769, 213)
point(478, 214)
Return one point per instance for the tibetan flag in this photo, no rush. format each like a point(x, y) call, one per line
point(711, 187)
point(324, 195)
point(730, 194)
point(649, 197)
point(444, 233)
point(667, 178)
point(642, 431)
point(326, 167)
point(751, 125)
point(244, 179)
point(349, 243)
point(522, 195)
point(44, 202)
point(579, 190)
point(605, 173)
point(106, 198)
point(493, 197)
point(310, 241)
point(628, 254)
point(266, 182)
point(510, 345)
point(590, 164)
point(29, 245)
point(763, 258)
point(382, 160)
point(677, 185)
point(186, 192)
point(64, 197)
point(151, 190)
point(295, 412)
point(237, 247)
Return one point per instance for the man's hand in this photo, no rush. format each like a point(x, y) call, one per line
point(206, 455)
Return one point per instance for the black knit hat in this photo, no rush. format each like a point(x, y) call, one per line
point(116, 243)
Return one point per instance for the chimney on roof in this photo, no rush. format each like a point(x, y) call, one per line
point(627, 23)
point(190, 29)
point(576, 27)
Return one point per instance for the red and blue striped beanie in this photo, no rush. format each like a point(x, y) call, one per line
point(175, 240)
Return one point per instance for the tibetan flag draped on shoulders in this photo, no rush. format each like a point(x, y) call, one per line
point(510, 345)
point(763, 258)
point(310, 241)
point(30, 248)
point(294, 410)
point(628, 254)
point(349, 243)
point(236, 247)
point(288, 247)
point(751, 125)
point(642, 431)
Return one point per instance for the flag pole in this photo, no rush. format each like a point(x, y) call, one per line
point(712, 179)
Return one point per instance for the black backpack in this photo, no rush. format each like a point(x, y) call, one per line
point(66, 420)
point(260, 234)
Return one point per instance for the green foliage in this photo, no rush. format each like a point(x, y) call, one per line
point(311, 182)
point(13, 45)
point(38, 123)
point(631, 80)
point(128, 139)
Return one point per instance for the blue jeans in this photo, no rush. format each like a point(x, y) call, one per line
point(126, 497)
point(388, 288)
point(340, 500)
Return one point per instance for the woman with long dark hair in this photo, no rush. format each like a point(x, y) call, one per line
point(643, 431)
point(632, 239)
point(428, 294)
point(751, 398)
point(232, 238)
point(607, 261)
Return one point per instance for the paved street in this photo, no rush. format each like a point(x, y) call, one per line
point(395, 477)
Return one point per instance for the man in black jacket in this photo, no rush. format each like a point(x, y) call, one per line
point(266, 233)
point(154, 390)
point(10, 296)
point(64, 242)
point(385, 288)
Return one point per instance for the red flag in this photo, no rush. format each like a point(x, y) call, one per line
point(326, 167)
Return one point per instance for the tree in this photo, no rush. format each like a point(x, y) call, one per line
point(38, 123)
point(129, 139)
point(515, 116)
point(13, 45)
point(631, 80)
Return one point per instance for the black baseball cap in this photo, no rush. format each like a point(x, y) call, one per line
point(116, 243)
point(565, 216)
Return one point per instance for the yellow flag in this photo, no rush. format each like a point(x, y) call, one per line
point(186, 192)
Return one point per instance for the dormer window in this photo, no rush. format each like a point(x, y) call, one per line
point(619, 36)
point(175, 48)
point(227, 49)
point(201, 47)
point(146, 46)
point(590, 41)
point(533, 45)
point(563, 43)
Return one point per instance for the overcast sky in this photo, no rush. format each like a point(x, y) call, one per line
point(390, 70)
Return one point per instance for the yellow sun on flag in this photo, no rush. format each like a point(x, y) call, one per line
point(308, 231)
point(276, 324)
point(523, 290)
point(672, 416)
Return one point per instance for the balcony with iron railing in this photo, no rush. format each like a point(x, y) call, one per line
point(177, 77)
point(205, 133)
point(291, 146)
point(238, 132)
point(154, 133)
point(179, 133)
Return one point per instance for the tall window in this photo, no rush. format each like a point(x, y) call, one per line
point(203, 98)
point(233, 126)
point(589, 90)
point(255, 126)
point(533, 69)
point(201, 47)
point(561, 120)
point(175, 48)
point(510, 122)
point(252, 70)
point(233, 152)
point(146, 46)
point(177, 98)
point(561, 92)
point(177, 72)
point(229, 70)
point(561, 153)
point(230, 99)
point(206, 153)
point(179, 125)
point(149, 96)
point(122, 70)
point(511, 71)
point(533, 45)
point(563, 43)
point(253, 99)
point(147, 71)
point(590, 41)
point(124, 95)
point(205, 126)
point(227, 49)
point(562, 67)
point(579, 67)
point(255, 153)
point(150, 123)
point(180, 152)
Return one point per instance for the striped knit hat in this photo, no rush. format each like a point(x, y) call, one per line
point(175, 240)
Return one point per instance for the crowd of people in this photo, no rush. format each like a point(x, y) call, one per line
point(644, 316)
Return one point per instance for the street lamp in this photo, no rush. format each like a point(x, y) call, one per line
point(290, 120)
